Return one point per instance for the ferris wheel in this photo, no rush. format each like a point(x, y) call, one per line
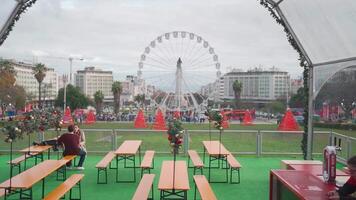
point(177, 64)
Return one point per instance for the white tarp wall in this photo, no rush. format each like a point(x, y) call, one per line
point(326, 29)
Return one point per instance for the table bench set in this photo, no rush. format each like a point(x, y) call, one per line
point(302, 179)
point(173, 181)
point(23, 182)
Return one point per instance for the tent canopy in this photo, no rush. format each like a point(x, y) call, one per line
point(326, 31)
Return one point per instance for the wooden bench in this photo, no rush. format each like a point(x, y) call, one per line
point(197, 162)
point(2, 192)
point(148, 162)
point(234, 166)
point(17, 161)
point(66, 186)
point(205, 191)
point(103, 165)
point(63, 170)
point(144, 188)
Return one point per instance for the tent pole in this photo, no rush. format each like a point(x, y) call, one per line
point(310, 113)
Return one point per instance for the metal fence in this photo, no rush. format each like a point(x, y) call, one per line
point(255, 142)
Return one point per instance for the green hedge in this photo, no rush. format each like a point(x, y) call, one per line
point(342, 126)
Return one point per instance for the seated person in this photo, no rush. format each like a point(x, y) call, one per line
point(349, 187)
point(71, 144)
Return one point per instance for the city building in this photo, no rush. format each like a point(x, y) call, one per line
point(210, 91)
point(295, 85)
point(258, 85)
point(92, 79)
point(26, 79)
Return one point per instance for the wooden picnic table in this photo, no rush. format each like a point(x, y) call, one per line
point(216, 151)
point(37, 150)
point(127, 151)
point(26, 179)
point(316, 169)
point(285, 163)
point(181, 180)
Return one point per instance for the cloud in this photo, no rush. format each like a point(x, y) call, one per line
point(114, 33)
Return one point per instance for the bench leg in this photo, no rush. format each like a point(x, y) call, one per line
point(23, 195)
point(80, 192)
point(62, 171)
point(152, 195)
point(106, 176)
point(238, 176)
point(195, 191)
point(43, 187)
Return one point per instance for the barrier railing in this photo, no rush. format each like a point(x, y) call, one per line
point(257, 142)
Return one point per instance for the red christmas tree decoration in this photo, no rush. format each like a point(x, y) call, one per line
point(140, 120)
point(247, 119)
point(90, 118)
point(225, 122)
point(176, 114)
point(67, 118)
point(288, 122)
point(160, 123)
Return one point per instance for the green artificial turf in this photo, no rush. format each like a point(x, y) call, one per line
point(254, 179)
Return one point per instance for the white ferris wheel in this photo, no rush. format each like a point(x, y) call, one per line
point(177, 64)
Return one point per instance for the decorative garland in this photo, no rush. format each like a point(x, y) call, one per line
point(24, 5)
point(303, 63)
point(215, 117)
point(175, 134)
point(37, 120)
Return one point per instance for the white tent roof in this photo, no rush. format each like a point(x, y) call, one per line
point(326, 30)
point(6, 8)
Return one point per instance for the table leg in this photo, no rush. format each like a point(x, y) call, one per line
point(204, 154)
point(134, 168)
point(117, 168)
point(209, 167)
point(139, 154)
point(49, 153)
point(43, 187)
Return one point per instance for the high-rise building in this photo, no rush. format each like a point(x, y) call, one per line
point(258, 85)
point(92, 79)
point(26, 79)
point(295, 85)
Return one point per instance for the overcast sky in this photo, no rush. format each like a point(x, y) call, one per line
point(112, 34)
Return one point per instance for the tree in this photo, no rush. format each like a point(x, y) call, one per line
point(297, 100)
point(116, 89)
point(7, 73)
point(237, 87)
point(40, 73)
point(74, 98)
point(99, 98)
point(140, 99)
point(9, 92)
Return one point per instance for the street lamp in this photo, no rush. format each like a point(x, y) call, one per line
point(71, 67)
point(64, 78)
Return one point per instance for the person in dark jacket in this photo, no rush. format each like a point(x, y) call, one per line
point(71, 143)
point(344, 192)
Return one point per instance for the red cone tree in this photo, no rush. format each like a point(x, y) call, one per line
point(67, 117)
point(225, 122)
point(90, 118)
point(288, 122)
point(160, 123)
point(247, 118)
point(140, 120)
